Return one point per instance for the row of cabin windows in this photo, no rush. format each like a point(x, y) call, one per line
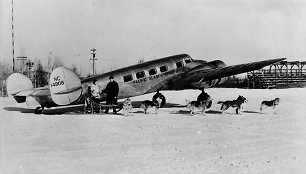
point(153, 71)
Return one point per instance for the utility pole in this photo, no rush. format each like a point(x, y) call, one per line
point(13, 44)
point(93, 52)
point(22, 58)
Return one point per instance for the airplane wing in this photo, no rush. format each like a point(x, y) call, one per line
point(210, 74)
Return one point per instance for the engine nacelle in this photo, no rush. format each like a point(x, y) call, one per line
point(207, 66)
point(217, 64)
point(209, 83)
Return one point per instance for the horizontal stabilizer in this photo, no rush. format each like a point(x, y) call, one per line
point(65, 86)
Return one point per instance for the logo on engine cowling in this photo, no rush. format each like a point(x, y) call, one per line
point(57, 82)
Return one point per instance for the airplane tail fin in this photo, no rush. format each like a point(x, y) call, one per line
point(16, 84)
point(65, 86)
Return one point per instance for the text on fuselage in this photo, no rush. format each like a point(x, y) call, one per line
point(153, 77)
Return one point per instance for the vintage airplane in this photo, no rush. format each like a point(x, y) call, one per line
point(176, 72)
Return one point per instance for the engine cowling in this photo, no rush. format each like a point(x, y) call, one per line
point(207, 66)
point(65, 86)
point(218, 64)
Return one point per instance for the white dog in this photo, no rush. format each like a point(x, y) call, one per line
point(127, 107)
point(272, 103)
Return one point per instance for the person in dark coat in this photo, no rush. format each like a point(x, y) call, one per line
point(204, 98)
point(161, 96)
point(111, 91)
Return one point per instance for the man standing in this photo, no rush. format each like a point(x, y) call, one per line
point(111, 91)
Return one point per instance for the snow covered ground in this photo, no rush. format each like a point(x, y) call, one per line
point(170, 142)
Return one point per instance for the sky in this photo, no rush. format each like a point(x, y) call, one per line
point(235, 31)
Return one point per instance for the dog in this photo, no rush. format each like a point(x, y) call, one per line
point(145, 105)
point(271, 103)
point(201, 105)
point(234, 103)
point(127, 107)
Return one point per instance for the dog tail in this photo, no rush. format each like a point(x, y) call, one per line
point(220, 102)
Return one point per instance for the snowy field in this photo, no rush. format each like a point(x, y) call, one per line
point(169, 142)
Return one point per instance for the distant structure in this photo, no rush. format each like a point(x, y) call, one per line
point(279, 75)
point(93, 52)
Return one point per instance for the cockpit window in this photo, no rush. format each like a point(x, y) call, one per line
point(179, 64)
point(127, 78)
point(163, 68)
point(140, 74)
point(187, 61)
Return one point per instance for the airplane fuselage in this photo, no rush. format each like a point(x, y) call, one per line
point(147, 77)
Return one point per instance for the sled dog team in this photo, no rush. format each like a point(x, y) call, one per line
point(237, 103)
point(203, 102)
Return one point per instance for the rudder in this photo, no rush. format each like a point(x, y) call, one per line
point(17, 83)
point(65, 86)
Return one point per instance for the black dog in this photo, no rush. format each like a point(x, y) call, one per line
point(271, 103)
point(233, 103)
point(145, 105)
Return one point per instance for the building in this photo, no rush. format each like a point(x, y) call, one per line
point(279, 75)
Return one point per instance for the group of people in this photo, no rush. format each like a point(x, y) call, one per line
point(111, 92)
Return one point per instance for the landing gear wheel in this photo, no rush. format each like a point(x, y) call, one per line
point(209, 104)
point(38, 110)
point(163, 102)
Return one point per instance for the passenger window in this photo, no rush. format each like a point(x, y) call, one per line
point(152, 71)
point(179, 64)
point(163, 68)
point(187, 61)
point(127, 78)
point(140, 74)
